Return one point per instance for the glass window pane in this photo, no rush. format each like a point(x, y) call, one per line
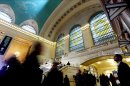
point(29, 28)
point(101, 30)
point(76, 39)
point(5, 17)
point(60, 46)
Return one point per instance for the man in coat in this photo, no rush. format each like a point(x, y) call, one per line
point(123, 71)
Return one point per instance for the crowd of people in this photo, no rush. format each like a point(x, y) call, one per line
point(105, 80)
point(84, 79)
point(122, 77)
point(28, 73)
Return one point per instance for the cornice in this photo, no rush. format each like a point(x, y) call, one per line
point(16, 31)
point(59, 12)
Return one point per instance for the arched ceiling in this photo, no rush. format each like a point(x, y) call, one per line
point(65, 11)
point(39, 10)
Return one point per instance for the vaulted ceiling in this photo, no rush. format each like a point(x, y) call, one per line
point(63, 14)
point(39, 10)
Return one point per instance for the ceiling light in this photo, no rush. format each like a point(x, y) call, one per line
point(17, 53)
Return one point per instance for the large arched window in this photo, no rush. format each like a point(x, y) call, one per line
point(7, 13)
point(30, 26)
point(5, 17)
point(76, 39)
point(101, 30)
point(60, 46)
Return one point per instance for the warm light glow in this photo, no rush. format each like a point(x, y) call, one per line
point(111, 61)
point(108, 72)
point(17, 53)
point(81, 66)
point(98, 62)
point(127, 59)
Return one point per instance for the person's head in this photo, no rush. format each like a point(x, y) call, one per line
point(79, 71)
point(66, 76)
point(12, 60)
point(117, 58)
point(37, 47)
point(55, 64)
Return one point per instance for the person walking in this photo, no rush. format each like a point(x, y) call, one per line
point(66, 81)
point(32, 72)
point(123, 71)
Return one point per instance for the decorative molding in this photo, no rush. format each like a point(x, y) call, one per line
point(91, 53)
point(17, 31)
point(65, 10)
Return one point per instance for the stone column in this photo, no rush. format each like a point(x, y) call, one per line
point(66, 46)
point(87, 36)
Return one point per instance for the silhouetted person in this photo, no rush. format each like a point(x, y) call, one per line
point(90, 80)
point(123, 71)
point(55, 76)
point(44, 82)
point(66, 81)
point(33, 74)
point(107, 80)
point(13, 76)
point(93, 80)
point(104, 81)
point(113, 80)
point(3, 72)
point(60, 65)
point(79, 79)
point(84, 77)
point(68, 63)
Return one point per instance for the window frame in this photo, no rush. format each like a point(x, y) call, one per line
point(60, 38)
point(105, 33)
point(80, 45)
